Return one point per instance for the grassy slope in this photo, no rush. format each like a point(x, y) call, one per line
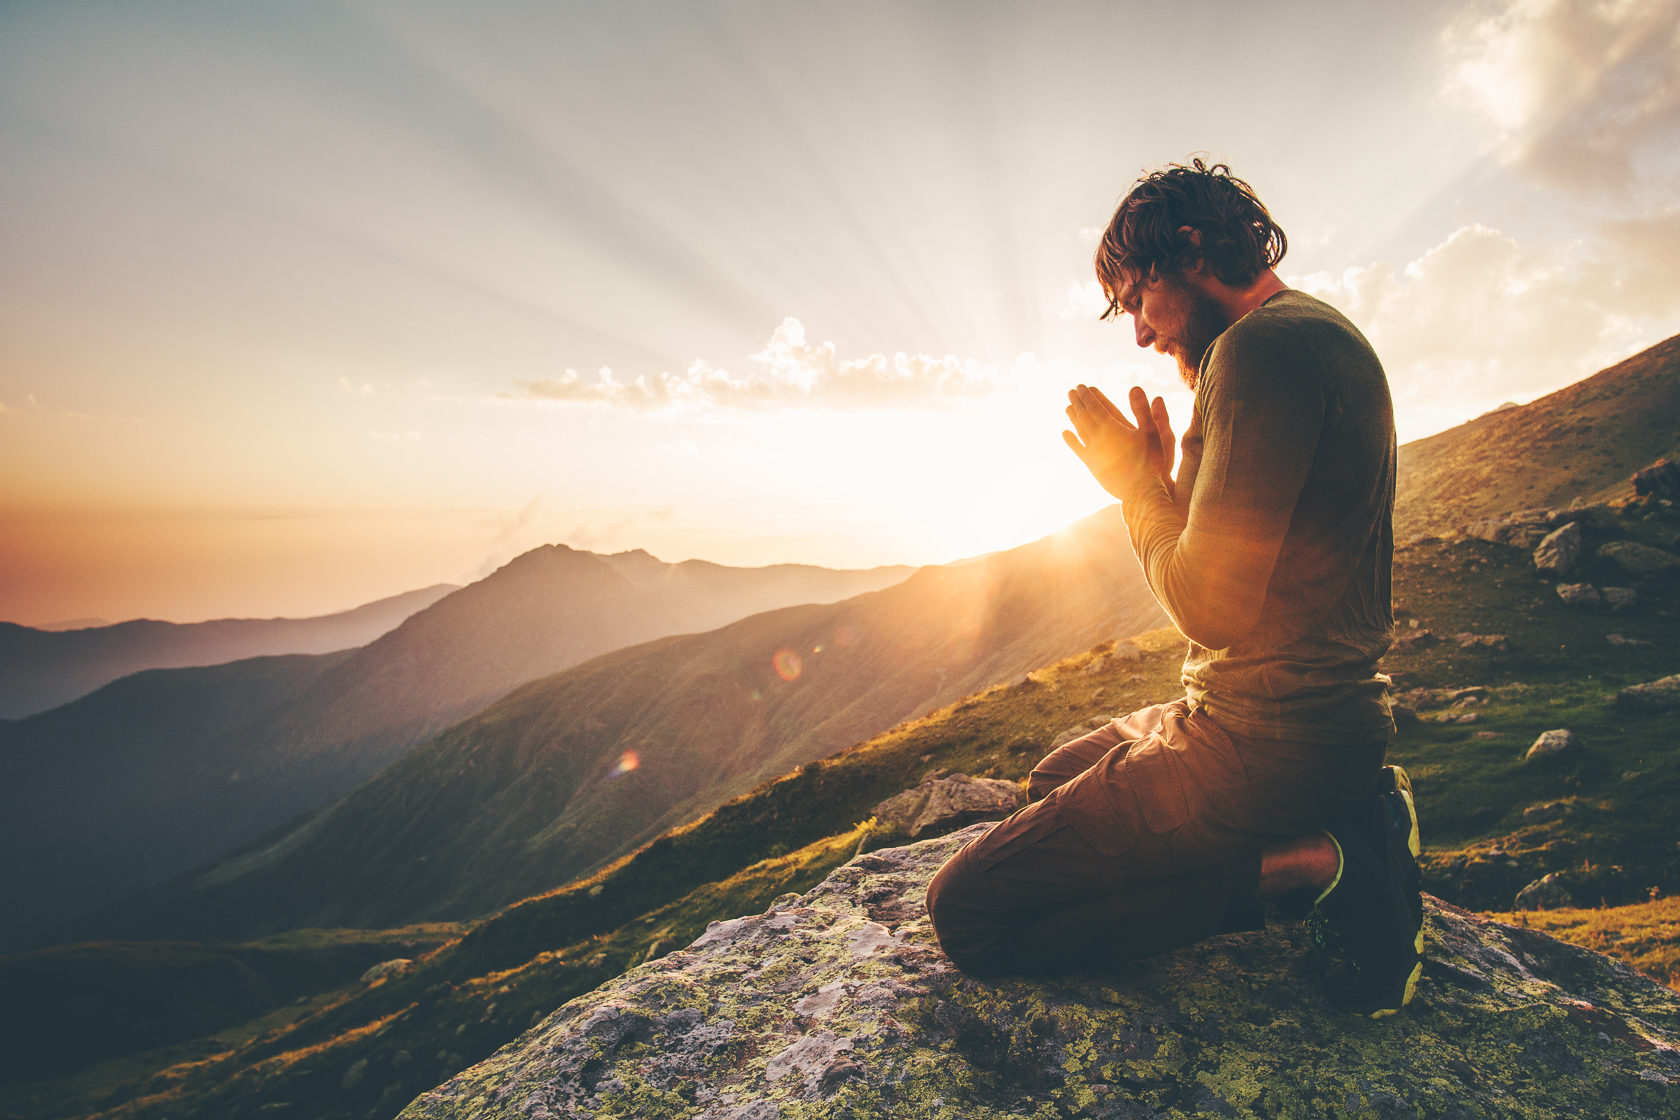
point(1583, 440)
point(1612, 837)
point(1616, 838)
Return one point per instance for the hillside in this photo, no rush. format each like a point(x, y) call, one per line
point(1613, 838)
point(576, 769)
point(1581, 441)
point(159, 776)
point(41, 669)
point(91, 798)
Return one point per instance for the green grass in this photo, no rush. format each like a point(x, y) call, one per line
point(1612, 838)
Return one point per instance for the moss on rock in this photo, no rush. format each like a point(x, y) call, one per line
point(839, 1004)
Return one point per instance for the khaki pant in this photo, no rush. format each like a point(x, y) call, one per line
point(1141, 837)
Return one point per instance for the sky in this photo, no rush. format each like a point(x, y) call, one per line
point(305, 304)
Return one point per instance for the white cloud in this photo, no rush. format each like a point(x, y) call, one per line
point(792, 373)
point(1585, 93)
point(1478, 320)
point(1083, 301)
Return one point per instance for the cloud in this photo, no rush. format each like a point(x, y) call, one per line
point(1478, 319)
point(1083, 301)
point(791, 373)
point(1585, 93)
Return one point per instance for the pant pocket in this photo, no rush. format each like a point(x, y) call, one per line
point(1026, 826)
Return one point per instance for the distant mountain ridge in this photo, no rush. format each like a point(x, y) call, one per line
point(1585, 441)
point(180, 783)
point(577, 768)
point(41, 669)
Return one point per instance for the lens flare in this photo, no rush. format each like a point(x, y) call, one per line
point(627, 762)
point(787, 663)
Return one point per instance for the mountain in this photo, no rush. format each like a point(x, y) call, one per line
point(1582, 441)
point(43, 668)
point(576, 769)
point(170, 769)
point(91, 803)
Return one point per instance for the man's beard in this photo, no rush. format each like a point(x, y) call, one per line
point(1204, 321)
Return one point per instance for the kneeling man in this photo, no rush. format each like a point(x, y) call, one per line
point(1272, 553)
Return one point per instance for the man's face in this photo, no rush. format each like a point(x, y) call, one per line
point(1174, 317)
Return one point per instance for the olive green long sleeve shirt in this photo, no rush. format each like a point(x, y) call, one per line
point(1276, 557)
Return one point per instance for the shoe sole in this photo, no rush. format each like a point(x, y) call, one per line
point(1396, 780)
point(1406, 993)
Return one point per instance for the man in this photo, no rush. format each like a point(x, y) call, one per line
point(1272, 552)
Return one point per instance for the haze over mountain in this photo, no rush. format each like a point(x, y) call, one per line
point(41, 668)
point(90, 793)
point(577, 768)
point(174, 770)
point(1581, 441)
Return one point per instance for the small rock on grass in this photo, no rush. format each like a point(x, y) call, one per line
point(1550, 744)
point(1579, 594)
point(1653, 696)
point(1620, 598)
point(1548, 893)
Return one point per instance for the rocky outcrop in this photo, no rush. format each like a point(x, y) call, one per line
point(839, 1004)
point(1654, 696)
point(939, 804)
point(1579, 594)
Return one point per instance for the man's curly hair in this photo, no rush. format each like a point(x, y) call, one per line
point(1147, 235)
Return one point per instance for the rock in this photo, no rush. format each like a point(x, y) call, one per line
point(353, 1076)
point(1620, 598)
point(1551, 810)
point(1638, 559)
point(1096, 723)
point(1653, 696)
point(841, 1005)
point(1579, 594)
point(1551, 744)
point(1483, 641)
point(1618, 640)
point(1468, 717)
point(1597, 516)
point(945, 802)
point(1415, 639)
point(1497, 530)
point(1548, 893)
point(387, 968)
point(1661, 480)
point(1560, 551)
point(1474, 692)
point(1489, 735)
point(1068, 735)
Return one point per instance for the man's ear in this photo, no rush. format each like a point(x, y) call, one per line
point(1194, 236)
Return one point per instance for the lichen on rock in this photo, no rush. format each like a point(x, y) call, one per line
point(840, 1004)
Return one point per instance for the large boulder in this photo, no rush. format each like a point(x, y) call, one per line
point(1560, 551)
point(1639, 559)
point(839, 1004)
point(943, 803)
point(1653, 696)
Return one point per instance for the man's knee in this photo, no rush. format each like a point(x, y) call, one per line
point(966, 917)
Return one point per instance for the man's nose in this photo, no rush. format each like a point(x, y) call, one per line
point(1145, 336)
